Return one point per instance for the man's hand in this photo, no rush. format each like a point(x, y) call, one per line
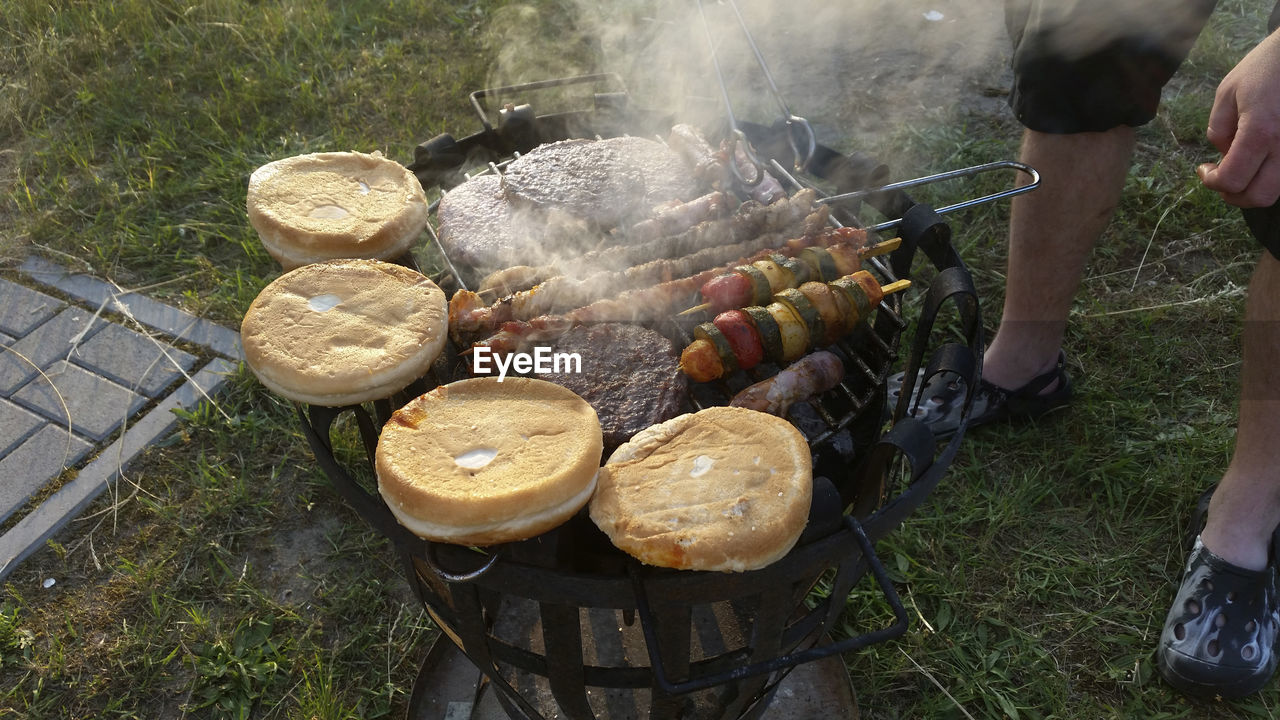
point(1245, 127)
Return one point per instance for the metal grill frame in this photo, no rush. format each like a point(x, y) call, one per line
point(574, 567)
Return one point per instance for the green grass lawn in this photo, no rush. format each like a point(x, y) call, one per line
point(224, 579)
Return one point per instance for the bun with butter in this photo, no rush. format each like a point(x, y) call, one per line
point(721, 489)
point(324, 206)
point(481, 462)
point(345, 331)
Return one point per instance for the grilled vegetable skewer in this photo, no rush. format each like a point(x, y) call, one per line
point(812, 315)
point(754, 284)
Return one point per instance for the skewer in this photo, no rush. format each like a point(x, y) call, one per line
point(797, 321)
point(880, 248)
point(895, 286)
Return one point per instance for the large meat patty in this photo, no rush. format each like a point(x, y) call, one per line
point(481, 232)
point(607, 182)
point(630, 375)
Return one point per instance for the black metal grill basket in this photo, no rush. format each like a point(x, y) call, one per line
point(565, 625)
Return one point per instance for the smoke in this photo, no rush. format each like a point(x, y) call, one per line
point(853, 69)
point(856, 69)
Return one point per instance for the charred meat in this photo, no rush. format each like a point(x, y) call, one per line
point(605, 182)
point(481, 231)
point(629, 374)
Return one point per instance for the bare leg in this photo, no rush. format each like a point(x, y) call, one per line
point(1246, 506)
point(1051, 233)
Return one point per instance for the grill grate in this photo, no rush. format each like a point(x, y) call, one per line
point(868, 354)
point(564, 624)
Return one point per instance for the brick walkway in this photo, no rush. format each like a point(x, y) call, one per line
point(70, 380)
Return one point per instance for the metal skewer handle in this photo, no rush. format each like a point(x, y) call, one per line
point(949, 175)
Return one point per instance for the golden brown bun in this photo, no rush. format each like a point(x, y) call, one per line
point(481, 462)
point(344, 331)
point(721, 489)
point(323, 206)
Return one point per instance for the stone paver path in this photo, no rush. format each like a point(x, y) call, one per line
point(81, 396)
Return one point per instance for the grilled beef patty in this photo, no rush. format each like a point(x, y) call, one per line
point(605, 182)
point(630, 375)
point(481, 232)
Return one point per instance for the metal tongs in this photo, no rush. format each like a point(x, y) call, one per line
point(799, 132)
point(804, 142)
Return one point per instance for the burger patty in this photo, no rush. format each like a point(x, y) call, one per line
point(630, 375)
point(480, 231)
point(605, 182)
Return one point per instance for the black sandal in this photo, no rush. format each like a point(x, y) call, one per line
point(1219, 637)
point(941, 400)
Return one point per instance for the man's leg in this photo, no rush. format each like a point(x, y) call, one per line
point(1219, 635)
point(1051, 233)
point(1245, 508)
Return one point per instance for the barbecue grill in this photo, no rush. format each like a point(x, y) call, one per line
point(565, 625)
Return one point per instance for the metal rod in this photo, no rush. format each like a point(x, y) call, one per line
point(949, 175)
point(478, 95)
point(792, 120)
point(737, 140)
point(715, 63)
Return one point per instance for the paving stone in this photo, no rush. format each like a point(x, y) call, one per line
point(97, 406)
point(153, 314)
point(5, 339)
point(45, 345)
point(34, 463)
point(22, 308)
point(30, 533)
point(15, 425)
point(132, 359)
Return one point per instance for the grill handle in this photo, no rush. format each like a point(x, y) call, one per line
point(897, 629)
point(480, 95)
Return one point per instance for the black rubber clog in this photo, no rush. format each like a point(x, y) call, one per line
point(1219, 637)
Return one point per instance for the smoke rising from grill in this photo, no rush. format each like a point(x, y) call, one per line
point(858, 71)
point(854, 69)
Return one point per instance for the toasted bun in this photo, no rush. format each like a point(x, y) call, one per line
point(323, 206)
point(481, 462)
point(344, 331)
point(721, 489)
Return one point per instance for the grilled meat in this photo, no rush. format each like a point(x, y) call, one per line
point(711, 166)
point(673, 230)
point(796, 216)
point(606, 182)
point(708, 167)
point(809, 376)
point(481, 231)
point(630, 375)
point(673, 219)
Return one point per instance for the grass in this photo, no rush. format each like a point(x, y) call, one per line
point(224, 579)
